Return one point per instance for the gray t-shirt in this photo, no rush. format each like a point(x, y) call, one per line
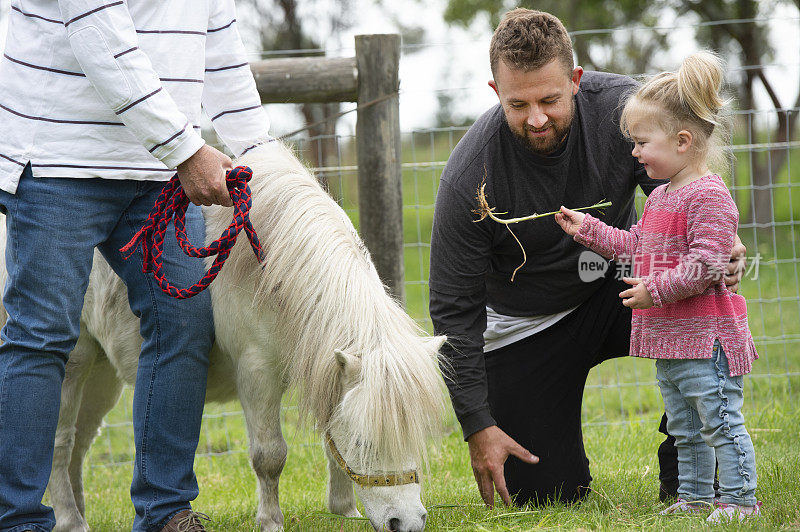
point(472, 263)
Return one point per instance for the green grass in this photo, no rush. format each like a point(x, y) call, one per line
point(624, 491)
point(622, 407)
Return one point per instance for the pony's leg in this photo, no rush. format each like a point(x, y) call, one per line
point(341, 498)
point(68, 515)
point(101, 392)
point(260, 389)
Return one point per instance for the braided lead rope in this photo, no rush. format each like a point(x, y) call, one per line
point(171, 206)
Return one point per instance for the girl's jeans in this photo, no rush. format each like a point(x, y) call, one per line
point(54, 226)
point(704, 413)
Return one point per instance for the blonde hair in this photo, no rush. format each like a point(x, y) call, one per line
point(526, 40)
point(689, 99)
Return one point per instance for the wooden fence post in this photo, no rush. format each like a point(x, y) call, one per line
point(372, 79)
point(380, 180)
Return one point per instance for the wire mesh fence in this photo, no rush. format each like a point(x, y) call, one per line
point(618, 391)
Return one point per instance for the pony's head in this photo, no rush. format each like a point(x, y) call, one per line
point(362, 368)
point(390, 404)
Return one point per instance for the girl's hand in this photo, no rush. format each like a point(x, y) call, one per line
point(570, 221)
point(638, 296)
point(736, 266)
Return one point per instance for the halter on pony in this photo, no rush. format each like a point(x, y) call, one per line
point(368, 481)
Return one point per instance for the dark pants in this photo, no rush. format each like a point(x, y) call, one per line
point(536, 389)
point(668, 464)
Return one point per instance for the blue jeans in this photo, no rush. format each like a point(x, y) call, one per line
point(53, 227)
point(704, 414)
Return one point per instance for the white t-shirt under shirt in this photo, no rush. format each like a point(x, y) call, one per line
point(502, 330)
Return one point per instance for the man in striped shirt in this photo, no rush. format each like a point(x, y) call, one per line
point(100, 103)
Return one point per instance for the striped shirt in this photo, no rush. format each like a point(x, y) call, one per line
point(113, 89)
point(680, 248)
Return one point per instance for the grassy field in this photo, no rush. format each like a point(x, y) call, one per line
point(621, 407)
point(624, 491)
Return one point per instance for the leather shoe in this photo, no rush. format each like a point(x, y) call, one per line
point(186, 521)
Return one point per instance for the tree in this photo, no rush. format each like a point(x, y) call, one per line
point(595, 50)
point(281, 26)
point(748, 42)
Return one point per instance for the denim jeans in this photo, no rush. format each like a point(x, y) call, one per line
point(704, 413)
point(53, 226)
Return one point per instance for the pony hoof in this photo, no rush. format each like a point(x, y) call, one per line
point(271, 524)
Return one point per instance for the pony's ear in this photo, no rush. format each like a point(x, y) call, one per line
point(346, 359)
point(349, 364)
point(435, 342)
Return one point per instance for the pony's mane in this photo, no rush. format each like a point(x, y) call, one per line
point(319, 280)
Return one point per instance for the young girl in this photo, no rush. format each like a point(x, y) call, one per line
point(683, 315)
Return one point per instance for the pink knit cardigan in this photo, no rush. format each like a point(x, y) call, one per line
point(680, 248)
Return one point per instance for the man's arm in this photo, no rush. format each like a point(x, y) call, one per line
point(103, 39)
point(460, 252)
point(464, 319)
point(230, 96)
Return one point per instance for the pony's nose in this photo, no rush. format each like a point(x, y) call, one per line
point(397, 524)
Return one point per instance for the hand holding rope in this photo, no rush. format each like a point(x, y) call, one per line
point(171, 207)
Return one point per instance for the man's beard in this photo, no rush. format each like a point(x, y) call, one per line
point(550, 143)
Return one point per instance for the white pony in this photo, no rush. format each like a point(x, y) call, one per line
point(315, 319)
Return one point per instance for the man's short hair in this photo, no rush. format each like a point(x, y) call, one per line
point(527, 40)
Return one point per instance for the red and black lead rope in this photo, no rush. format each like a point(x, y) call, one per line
point(171, 206)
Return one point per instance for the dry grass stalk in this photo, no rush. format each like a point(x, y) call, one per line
point(484, 211)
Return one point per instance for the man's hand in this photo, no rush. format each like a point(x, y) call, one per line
point(736, 266)
point(638, 296)
point(202, 177)
point(488, 450)
point(570, 221)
